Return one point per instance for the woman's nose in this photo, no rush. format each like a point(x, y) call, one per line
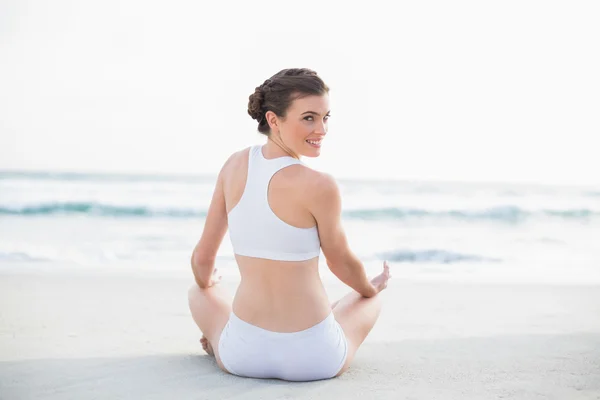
point(321, 128)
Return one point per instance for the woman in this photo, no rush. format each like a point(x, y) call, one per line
point(280, 214)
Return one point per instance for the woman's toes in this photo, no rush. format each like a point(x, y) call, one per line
point(204, 343)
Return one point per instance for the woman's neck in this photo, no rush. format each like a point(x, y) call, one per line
point(275, 148)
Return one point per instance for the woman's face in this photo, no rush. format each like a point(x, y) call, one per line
point(305, 125)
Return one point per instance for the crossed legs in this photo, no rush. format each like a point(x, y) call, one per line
point(356, 315)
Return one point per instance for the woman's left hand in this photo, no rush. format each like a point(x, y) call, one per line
point(214, 279)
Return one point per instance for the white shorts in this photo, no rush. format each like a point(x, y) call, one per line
point(318, 352)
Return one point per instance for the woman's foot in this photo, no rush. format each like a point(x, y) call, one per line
point(206, 346)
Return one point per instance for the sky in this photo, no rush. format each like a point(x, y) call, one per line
point(453, 91)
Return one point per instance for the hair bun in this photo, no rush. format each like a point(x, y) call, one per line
point(255, 104)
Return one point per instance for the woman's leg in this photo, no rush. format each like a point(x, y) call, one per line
point(357, 316)
point(210, 309)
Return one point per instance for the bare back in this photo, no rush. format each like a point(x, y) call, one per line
point(281, 296)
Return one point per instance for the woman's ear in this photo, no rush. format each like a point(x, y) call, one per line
point(272, 120)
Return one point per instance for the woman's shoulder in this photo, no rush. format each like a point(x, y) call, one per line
point(320, 191)
point(240, 153)
point(237, 156)
point(316, 183)
point(325, 184)
point(234, 162)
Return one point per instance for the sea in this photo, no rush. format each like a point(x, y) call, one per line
point(449, 231)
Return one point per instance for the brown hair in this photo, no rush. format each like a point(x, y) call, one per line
point(279, 91)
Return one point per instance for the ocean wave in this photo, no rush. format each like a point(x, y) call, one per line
point(20, 256)
point(433, 256)
point(511, 214)
point(574, 213)
point(507, 214)
point(97, 209)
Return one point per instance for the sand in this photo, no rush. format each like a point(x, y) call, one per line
point(90, 335)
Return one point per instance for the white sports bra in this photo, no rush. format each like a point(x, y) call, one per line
point(255, 230)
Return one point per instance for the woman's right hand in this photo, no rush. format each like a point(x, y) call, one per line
point(381, 280)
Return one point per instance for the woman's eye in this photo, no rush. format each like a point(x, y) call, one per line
point(311, 118)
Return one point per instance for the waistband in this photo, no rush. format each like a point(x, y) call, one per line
point(237, 323)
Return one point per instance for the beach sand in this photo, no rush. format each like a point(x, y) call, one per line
point(76, 335)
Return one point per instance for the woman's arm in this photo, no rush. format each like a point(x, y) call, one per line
point(326, 207)
point(215, 226)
